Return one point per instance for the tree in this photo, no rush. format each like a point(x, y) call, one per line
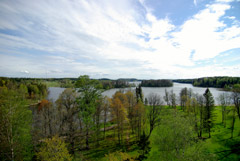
point(172, 99)
point(144, 146)
point(106, 109)
point(224, 100)
point(208, 112)
point(119, 114)
point(46, 112)
point(139, 118)
point(155, 103)
point(130, 109)
point(174, 139)
point(15, 126)
point(53, 149)
point(200, 101)
point(167, 97)
point(139, 94)
point(87, 101)
point(67, 114)
point(118, 156)
point(236, 98)
point(183, 98)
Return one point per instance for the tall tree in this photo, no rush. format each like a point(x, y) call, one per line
point(200, 101)
point(67, 116)
point(155, 103)
point(130, 109)
point(208, 112)
point(15, 126)
point(224, 100)
point(106, 102)
point(167, 97)
point(139, 93)
point(173, 99)
point(119, 114)
point(236, 98)
point(87, 101)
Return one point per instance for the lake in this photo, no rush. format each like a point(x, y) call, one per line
point(54, 92)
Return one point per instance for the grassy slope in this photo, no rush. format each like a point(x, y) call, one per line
point(221, 137)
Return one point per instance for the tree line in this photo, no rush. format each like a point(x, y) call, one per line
point(157, 83)
point(217, 82)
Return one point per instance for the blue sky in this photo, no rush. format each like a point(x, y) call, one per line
point(120, 39)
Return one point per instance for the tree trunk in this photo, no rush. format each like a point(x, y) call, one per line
point(87, 142)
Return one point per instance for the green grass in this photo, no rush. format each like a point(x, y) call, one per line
point(221, 140)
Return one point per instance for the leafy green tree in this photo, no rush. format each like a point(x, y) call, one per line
point(54, 149)
point(118, 156)
point(175, 139)
point(15, 126)
point(87, 101)
point(144, 146)
point(209, 111)
point(139, 93)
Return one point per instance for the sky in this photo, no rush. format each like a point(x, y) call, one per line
point(144, 39)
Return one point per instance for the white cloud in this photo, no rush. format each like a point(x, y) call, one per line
point(25, 71)
point(195, 2)
point(106, 37)
point(203, 34)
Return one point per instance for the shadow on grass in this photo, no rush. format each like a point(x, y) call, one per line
point(230, 150)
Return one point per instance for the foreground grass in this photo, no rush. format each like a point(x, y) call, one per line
point(221, 142)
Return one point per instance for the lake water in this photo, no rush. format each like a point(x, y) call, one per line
point(54, 92)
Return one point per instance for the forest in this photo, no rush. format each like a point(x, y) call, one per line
point(85, 125)
point(157, 83)
point(218, 82)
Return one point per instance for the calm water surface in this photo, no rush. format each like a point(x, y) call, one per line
point(54, 92)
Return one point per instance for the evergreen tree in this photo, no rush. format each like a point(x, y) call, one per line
point(208, 112)
point(139, 94)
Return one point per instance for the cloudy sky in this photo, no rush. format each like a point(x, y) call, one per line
point(120, 38)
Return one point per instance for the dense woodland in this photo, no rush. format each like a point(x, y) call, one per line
point(217, 82)
point(157, 83)
point(68, 82)
point(84, 125)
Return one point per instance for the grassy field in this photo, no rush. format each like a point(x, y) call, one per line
point(221, 142)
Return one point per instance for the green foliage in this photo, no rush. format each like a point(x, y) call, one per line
point(144, 146)
point(208, 111)
point(89, 94)
point(88, 101)
point(175, 139)
point(15, 126)
point(157, 83)
point(54, 149)
point(139, 93)
point(118, 156)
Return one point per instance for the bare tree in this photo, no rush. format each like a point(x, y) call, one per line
point(166, 97)
point(172, 99)
point(225, 100)
point(67, 116)
point(155, 104)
